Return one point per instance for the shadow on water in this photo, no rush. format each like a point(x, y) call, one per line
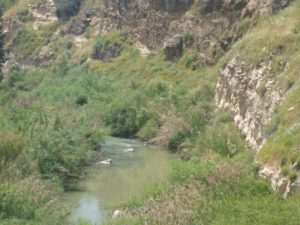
point(129, 175)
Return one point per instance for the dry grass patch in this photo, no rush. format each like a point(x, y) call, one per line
point(177, 207)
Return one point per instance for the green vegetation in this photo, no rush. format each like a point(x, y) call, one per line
point(53, 121)
point(25, 36)
point(217, 191)
point(44, 131)
point(225, 190)
point(5, 4)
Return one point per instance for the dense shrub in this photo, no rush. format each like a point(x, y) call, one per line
point(81, 100)
point(143, 115)
point(285, 170)
point(298, 164)
point(27, 199)
point(200, 115)
point(5, 4)
point(222, 137)
point(284, 161)
point(293, 176)
point(62, 153)
point(67, 8)
point(176, 140)
point(157, 89)
point(24, 16)
point(104, 49)
point(98, 47)
point(16, 77)
point(11, 145)
point(14, 203)
point(122, 120)
point(149, 130)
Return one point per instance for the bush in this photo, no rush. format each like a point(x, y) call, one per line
point(16, 77)
point(67, 8)
point(157, 89)
point(256, 168)
point(62, 153)
point(93, 138)
point(122, 120)
point(149, 130)
point(24, 16)
point(284, 161)
point(191, 61)
point(294, 159)
point(15, 204)
point(222, 138)
point(98, 47)
point(142, 117)
point(200, 115)
point(296, 29)
point(11, 145)
point(261, 91)
point(188, 170)
point(293, 176)
point(285, 170)
point(298, 164)
point(176, 140)
point(81, 100)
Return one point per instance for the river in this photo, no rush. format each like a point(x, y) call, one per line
point(129, 176)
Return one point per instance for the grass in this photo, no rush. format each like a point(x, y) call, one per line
point(285, 141)
point(215, 192)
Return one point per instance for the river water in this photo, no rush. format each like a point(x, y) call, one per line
point(129, 176)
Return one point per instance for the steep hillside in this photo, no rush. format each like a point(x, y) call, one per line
point(257, 86)
point(200, 25)
point(216, 82)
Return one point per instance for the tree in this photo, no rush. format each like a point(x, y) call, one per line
point(1, 45)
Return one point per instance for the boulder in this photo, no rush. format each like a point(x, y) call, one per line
point(76, 27)
point(283, 186)
point(173, 48)
point(210, 6)
point(108, 53)
point(235, 4)
point(106, 162)
point(117, 213)
point(128, 150)
point(171, 5)
point(279, 4)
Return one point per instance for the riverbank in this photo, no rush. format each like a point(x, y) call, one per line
point(210, 190)
point(130, 175)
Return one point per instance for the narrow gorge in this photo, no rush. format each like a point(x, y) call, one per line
point(213, 84)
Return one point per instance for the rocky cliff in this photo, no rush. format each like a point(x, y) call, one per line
point(254, 86)
point(251, 94)
point(209, 26)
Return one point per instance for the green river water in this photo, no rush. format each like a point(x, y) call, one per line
point(129, 176)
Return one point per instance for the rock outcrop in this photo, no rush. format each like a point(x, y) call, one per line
point(152, 22)
point(43, 13)
point(251, 96)
point(279, 4)
point(173, 48)
point(171, 5)
point(108, 53)
point(281, 184)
